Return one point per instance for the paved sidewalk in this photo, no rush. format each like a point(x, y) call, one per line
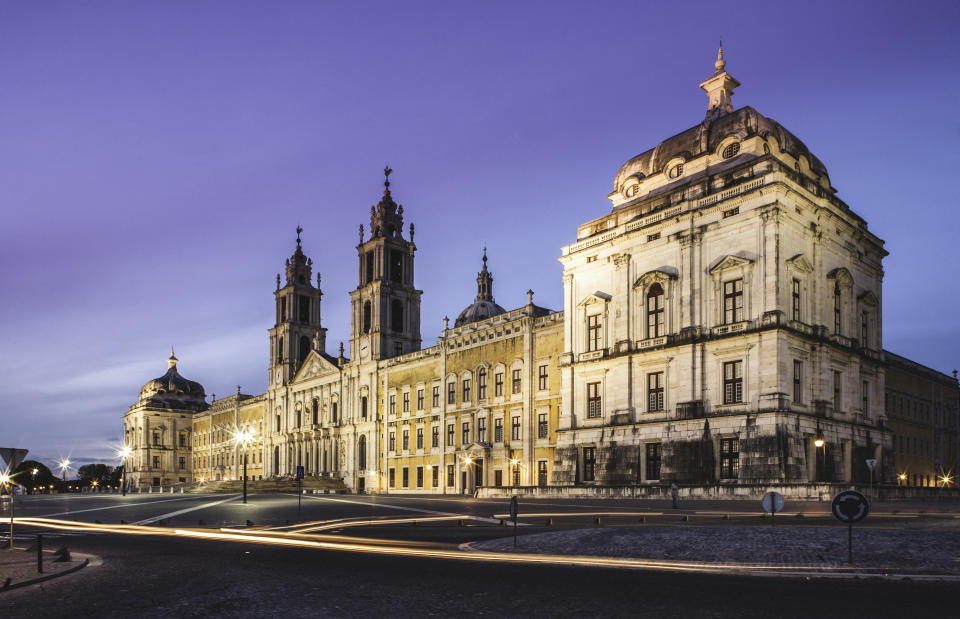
point(20, 566)
point(929, 552)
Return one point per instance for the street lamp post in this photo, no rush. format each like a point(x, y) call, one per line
point(819, 443)
point(64, 467)
point(4, 482)
point(123, 457)
point(244, 438)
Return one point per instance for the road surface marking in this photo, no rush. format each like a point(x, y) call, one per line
point(96, 509)
point(402, 507)
point(184, 511)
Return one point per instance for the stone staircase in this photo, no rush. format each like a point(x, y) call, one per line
point(310, 485)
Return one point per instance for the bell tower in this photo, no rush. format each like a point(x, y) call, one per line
point(385, 306)
point(297, 328)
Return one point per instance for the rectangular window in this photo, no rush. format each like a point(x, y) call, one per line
point(450, 475)
point(498, 478)
point(795, 308)
point(435, 475)
point(419, 438)
point(542, 377)
point(156, 439)
point(498, 430)
point(466, 390)
point(837, 384)
point(543, 429)
point(183, 440)
point(515, 428)
point(729, 458)
point(435, 397)
point(406, 402)
point(393, 405)
point(594, 401)
point(363, 408)
point(732, 382)
point(183, 463)
point(393, 441)
point(866, 397)
point(396, 266)
point(542, 473)
point(482, 430)
point(304, 302)
point(482, 384)
point(653, 461)
point(435, 437)
point(732, 301)
point(393, 478)
point(451, 393)
point(498, 384)
point(369, 269)
point(406, 440)
point(589, 463)
point(515, 380)
point(419, 399)
point(419, 477)
point(864, 330)
point(406, 477)
point(333, 412)
point(594, 332)
point(465, 433)
point(837, 306)
point(797, 381)
point(516, 474)
point(450, 433)
point(655, 391)
point(156, 462)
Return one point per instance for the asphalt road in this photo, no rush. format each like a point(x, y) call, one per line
point(167, 576)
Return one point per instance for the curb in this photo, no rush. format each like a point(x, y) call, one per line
point(33, 581)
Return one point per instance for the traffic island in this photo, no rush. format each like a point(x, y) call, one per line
point(18, 567)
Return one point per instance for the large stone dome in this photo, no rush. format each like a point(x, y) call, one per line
point(173, 390)
point(704, 138)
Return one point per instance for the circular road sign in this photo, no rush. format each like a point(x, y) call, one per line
point(850, 507)
point(772, 502)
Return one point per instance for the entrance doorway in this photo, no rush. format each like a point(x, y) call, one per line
point(361, 485)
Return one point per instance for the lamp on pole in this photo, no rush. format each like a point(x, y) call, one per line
point(123, 453)
point(819, 443)
point(64, 467)
point(244, 438)
point(4, 482)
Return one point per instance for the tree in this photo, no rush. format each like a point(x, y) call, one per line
point(99, 473)
point(25, 476)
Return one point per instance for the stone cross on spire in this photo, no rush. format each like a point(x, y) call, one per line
point(719, 88)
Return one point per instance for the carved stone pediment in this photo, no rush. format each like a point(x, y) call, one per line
point(842, 276)
point(730, 262)
point(661, 276)
point(594, 297)
point(313, 366)
point(868, 298)
point(800, 263)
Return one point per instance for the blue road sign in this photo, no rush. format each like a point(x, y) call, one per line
point(299, 472)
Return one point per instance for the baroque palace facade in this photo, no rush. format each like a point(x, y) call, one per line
point(721, 326)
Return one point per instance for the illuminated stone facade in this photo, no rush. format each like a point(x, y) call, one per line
point(721, 328)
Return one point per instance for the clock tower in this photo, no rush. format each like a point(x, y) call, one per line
point(385, 307)
point(296, 329)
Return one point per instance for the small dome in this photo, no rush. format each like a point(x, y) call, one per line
point(484, 306)
point(173, 390)
point(478, 310)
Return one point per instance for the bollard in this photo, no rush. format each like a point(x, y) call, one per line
point(726, 516)
point(597, 521)
point(686, 518)
point(643, 520)
point(40, 554)
point(503, 523)
point(459, 523)
point(549, 522)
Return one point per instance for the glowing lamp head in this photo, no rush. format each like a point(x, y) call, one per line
point(514, 461)
point(818, 442)
point(4, 478)
point(35, 471)
point(467, 460)
point(902, 476)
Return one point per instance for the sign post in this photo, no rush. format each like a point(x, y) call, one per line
point(772, 503)
point(850, 507)
point(514, 511)
point(13, 457)
point(299, 488)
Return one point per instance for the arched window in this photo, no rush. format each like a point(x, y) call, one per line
point(362, 452)
point(655, 313)
point(298, 417)
point(396, 316)
point(276, 460)
point(280, 350)
point(366, 317)
point(837, 308)
point(363, 407)
point(316, 411)
point(304, 349)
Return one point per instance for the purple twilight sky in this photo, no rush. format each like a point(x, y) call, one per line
point(156, 158)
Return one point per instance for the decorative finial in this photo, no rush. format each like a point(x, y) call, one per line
point(172, 361)
point(446, 323)
point(954, 375)
point(278, 281)
point(238, 389)
point(299, 230)
point(530, 297)
point(386, 177)
point(172, 355)
point(720, 63)
point(213, 398)
point(411, 233)
point(361, 234)
point(341, 349)
point(484, 256)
